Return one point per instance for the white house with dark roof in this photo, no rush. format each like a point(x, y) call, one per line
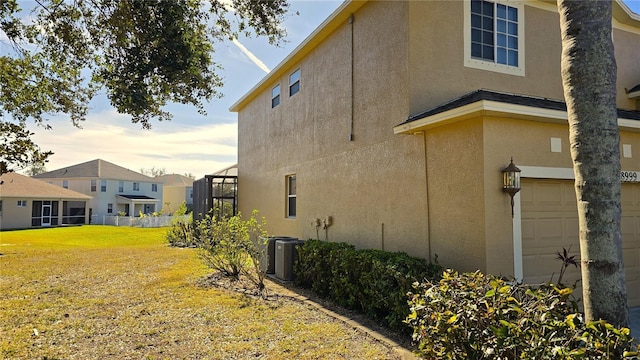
point(114, 188)
point(27, 202)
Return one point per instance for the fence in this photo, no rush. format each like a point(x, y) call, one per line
point(145, 222)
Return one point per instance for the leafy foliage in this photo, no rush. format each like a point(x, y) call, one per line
point(230, 245)
point(371, 281)
point(473, 316)
point(17, 150)
point(143, 53)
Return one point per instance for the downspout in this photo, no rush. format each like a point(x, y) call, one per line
point(426, 184)
point(351, 19)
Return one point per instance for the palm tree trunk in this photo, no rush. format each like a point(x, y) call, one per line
point(589, 81)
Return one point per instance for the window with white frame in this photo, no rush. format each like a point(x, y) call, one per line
point(65, 184)
point(120, 186)
point(93, 185)
point(154, 187)
point(275, 96)
point(103, 185)
point(291, 196)
point(494, 36)
point(109, 208)
point(294, 83)
point(22, 203)
point(136, 186)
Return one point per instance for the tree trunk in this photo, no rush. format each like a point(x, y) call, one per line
point(589, 81)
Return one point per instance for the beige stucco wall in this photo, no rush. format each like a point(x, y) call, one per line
point(14, 217)
point(374, 186)
point(436, 192)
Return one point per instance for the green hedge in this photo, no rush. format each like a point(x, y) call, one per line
point(371, 281)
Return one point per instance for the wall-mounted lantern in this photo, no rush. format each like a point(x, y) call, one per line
point(511, 181)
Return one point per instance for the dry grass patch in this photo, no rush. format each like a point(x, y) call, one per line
point(97, 292)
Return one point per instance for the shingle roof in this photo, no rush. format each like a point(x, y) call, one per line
point(16, 185)
point(175, 180)
point(95, 169)
point(525, 100)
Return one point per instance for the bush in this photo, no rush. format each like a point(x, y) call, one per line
point(473, 316)
point(181, 232)
point(371, 281)
point(231, 246)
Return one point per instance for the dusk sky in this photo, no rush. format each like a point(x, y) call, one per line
point(190, 143)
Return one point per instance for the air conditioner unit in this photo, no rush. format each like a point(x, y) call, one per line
point(286, 255)
point(267, 249)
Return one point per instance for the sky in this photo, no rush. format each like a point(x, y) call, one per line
point(190, 143)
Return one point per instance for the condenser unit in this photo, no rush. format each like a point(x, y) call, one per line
point(267, 248)
point(286, 255)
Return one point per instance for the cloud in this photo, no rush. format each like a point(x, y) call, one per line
point(178, 148)
point(251, 56)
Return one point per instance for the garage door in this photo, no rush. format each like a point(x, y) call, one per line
point(550, 222)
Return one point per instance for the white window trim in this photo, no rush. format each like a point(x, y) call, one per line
point(291, 84)
point(488, 65)
point(279, 96)
point(290, 196)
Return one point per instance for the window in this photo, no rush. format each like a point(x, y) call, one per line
point(22, 203)
point(109, 208)
point(93, 185)
point(291, 196)
point(103, 185)
point(275, 96)
point(0, 207)
point(120, 186)
point(65, 184)
point(494, 36)
point(294, 83)
point(136, 186)
point(154, 187)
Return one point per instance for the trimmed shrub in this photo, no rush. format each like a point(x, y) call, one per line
point(473, 316)
point(373, 282)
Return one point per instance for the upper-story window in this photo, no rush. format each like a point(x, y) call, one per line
point(103, 185)
point(65, 184)
point(294, 83)
point(136, 186)
point(120, 186)
point(93, 185)
point(494, 36)
point(275, 96)
point(154, 187)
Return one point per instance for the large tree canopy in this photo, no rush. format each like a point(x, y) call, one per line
point(143, 53)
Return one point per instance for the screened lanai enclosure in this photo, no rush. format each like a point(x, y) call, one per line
point(216, 194)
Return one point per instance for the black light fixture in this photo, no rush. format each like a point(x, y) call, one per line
point(511, 181)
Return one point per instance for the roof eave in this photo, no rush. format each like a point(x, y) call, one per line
point(498, 109)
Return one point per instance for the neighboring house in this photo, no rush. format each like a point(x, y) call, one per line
point(27, 202)
point(114, 189)
point(176, 189)
point(396, 119)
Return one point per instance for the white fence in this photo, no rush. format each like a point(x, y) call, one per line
point(145, 222)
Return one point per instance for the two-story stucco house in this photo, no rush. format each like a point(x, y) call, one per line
point(396, 118)
point(176, 189)
point(114, 189)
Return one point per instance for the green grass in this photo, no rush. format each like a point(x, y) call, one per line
point(100, 292)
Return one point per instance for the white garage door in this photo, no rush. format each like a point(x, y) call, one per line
point(550, 222)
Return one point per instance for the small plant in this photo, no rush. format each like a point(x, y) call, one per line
point(566, 261)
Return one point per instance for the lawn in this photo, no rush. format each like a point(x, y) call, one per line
point(100, 292)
